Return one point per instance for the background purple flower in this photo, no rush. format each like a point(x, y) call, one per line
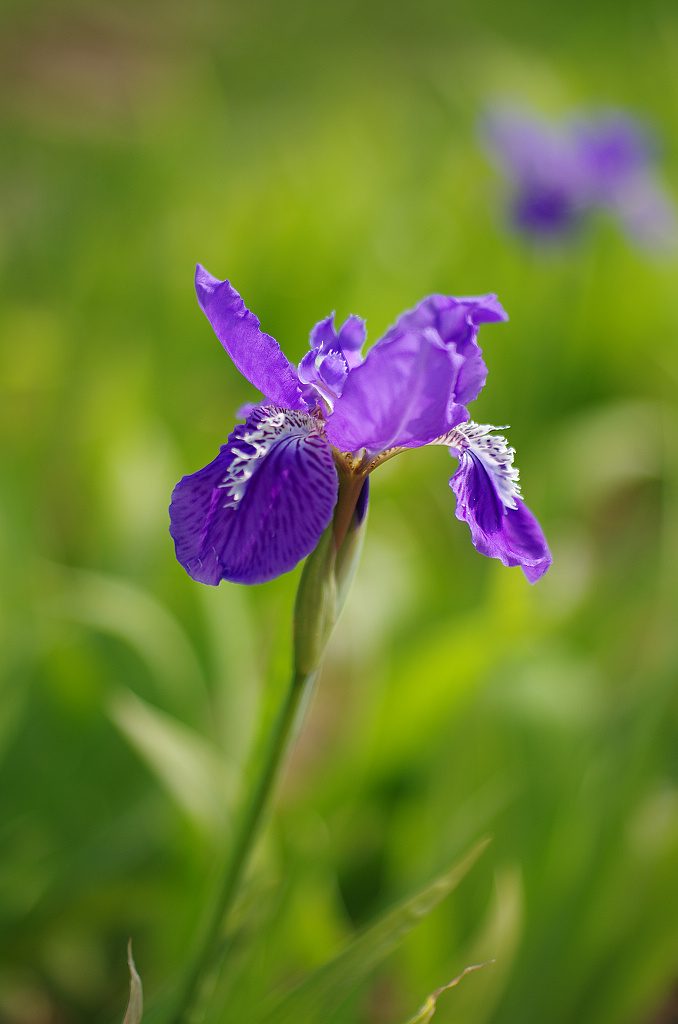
point(560, 172)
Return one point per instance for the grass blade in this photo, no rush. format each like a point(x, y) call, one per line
point(322, 994)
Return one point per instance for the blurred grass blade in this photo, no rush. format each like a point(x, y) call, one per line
point(498, 938)
point(322, 994)
point(192, 770)
point(428, 1008)
point(235, 658)
point(135, 1005)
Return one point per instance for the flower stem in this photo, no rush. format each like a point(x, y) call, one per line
point(315, 612)
point(247, 831)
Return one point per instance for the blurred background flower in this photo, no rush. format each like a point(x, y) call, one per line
point(325, 156)
point(562, 171)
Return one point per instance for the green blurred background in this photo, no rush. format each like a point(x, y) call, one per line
point(325, 156)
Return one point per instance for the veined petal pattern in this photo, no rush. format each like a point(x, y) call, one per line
point(261, 505)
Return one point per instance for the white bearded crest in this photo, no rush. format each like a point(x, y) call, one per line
point(492, 450)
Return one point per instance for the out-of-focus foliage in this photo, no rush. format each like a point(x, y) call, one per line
point(321, 995)
point(324, 156)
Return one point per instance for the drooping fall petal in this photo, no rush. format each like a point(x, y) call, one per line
point(489, 500)
point(261, 505)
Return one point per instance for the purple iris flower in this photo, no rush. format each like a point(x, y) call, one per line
point(562, 172)
point(264, 502)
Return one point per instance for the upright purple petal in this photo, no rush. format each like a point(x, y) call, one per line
point(352, 336)
point(332, 354)
point(456, 323)
point(323, 335)
point(613, 147)
point(261, 505)
point(417, 379)
point(348, 340)
point(489, 500)
point(402, 395)
point(257, 355)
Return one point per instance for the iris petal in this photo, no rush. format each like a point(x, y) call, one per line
point(348, 340)
point(325, 367)
point(323, 335)
point(488, 499)
point(257, 355)
point(456, 323)
point(402, 395)
point(352, 336)
point(261, 505)
point(417, 379)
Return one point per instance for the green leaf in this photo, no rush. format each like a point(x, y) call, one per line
point(322, 994)
point(193, 770)
point(428, 1008)
point(135, 1006)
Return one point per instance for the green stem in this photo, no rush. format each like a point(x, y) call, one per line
point(245, 837)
